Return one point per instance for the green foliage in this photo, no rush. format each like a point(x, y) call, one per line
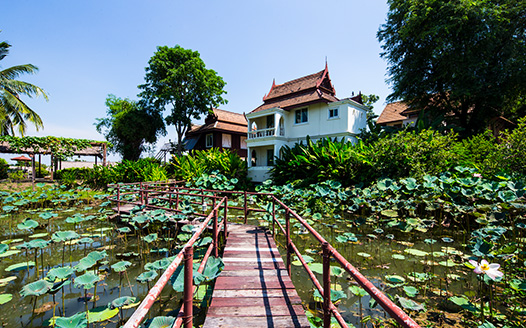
point(129, 126)
point(199, 167)
point(99, 177)
point(176, 78)
point(13, 110)
point(319, 161)
point(17, 175)
point(3, 168)
point(465, 58)
point(60, 147)
point(509, 155)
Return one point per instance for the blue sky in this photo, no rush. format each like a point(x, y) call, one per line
point(86, 50)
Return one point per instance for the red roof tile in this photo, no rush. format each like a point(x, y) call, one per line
point(221, 120)
point(392, 113)
point(306, 90)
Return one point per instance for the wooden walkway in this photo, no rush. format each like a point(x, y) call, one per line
point(254, 289)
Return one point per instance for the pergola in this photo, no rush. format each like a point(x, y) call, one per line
point(97, 149)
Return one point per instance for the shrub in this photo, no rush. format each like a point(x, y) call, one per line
point(203, 162)
point(3, 168)
point(510, 154)
point(319, 161)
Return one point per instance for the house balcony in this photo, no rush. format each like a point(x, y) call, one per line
point(264, 133)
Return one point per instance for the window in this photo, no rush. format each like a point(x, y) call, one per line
point(243, 142)
point(227, 140)
point(333, 112)
point(302, 115)
point(209, 140)
point(270, 157)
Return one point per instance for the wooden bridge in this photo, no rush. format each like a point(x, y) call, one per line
point(254, 289)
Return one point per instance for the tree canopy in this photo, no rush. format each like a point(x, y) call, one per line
point(14, 112)
point(177, 79)
point(461, 59)
point(130, 126)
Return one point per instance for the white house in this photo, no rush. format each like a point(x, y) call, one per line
point(294, 110)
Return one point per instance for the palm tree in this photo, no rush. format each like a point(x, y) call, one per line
point(13, 111)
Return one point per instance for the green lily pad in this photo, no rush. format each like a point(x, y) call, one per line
point(37, 288)
point(9, 253)
point(398, 256)
point(410, 304)
point(20, 266)
point(395, 279)
point(39, 235)
point(4, 298)
point(162, 322)
point(416, 252)
point(410, 291)
point(78, 320)
point(6, 280)
point(101, 313)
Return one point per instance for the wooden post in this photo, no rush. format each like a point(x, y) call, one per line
point(245, 206)
point(225, 232)
point(326, 285)
point(273, 217)
point(33, 173)
point(287, 230)
point(216, 232)
point(188, 286)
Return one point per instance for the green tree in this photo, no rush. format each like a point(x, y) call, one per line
point(461, 57)
point(130, 126)
point(177, 79)
point(14, 112)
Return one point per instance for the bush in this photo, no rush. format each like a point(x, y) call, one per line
point(510, 154)
point(3, 168)
point(319, 161)
point(203, 162)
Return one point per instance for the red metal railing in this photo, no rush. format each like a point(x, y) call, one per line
point(185, 316)
point(328, 250)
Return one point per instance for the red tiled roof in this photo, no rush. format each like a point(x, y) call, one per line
point(392, 113)
point(221, 120)
point(306, 90)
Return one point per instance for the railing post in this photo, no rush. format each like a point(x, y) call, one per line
point(141, 193)
point(287, 230)
point(177, 199)
point(245, 206)
point(273, 217)
point(188, 286)
point(215, 231)
point(326, 285)
point(146, 196)
point(118, 200)
point(225, 232)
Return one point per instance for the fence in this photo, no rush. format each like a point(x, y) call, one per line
point(171, 192)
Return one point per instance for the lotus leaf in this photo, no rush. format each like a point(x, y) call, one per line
point(203, 242)
point(78, 320)
point(358, 291)
point(448, 263)
point(162, 322)
point(121, 301)
point(121, 266)
point(5, 280)
point(410, 304)
point(336, 295)
point(9, 208)
point(38, 235)
point(86, 240)
point(410, 291)
point(84, 264)
point(518, 284)
point(150, 238)
point(3, 248)
point(4, 298)
point(362, 254)
point(87, 280)
point(184, 237)
point(140, 219)
point(124, 230)
point(398, 256)
point(27, 224)
point(147, 276)
point(187, 228)
point(37, 288)
point(177, 278)
point(101, 313)
point(39, 243)
point(395, 279)
point(416, 252)
point(47, 215)
point(59, 273)
point(62, 236)
point(20, 266)
point(316, 267)
point(9, 253)
point(213, 268)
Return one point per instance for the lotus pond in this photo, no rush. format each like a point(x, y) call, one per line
point(433, 245)
point(63, 255)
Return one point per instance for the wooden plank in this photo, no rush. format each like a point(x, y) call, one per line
point(257, 322)
point(254, 289)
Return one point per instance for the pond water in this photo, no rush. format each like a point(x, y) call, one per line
point(141, 248)
point(424, 266)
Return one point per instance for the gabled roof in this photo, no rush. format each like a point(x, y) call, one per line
point(392, 113)
point(221, 120)
point(306, 90)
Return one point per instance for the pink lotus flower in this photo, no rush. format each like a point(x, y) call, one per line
point(492, 270)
